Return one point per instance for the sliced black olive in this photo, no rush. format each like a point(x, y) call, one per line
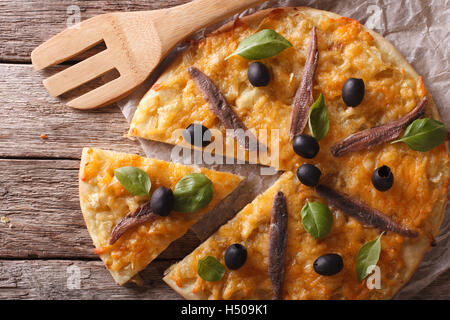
point(306, 146)
point(329, 264)
point(197, 135)
point(162, 201)
point(258, 74)
point(382, 178)
point(309, 174)
point(235, 256)
point(353, 92)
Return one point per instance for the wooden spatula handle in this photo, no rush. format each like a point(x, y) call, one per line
point(181, 21)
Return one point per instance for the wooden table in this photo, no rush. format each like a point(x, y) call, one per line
point(46, 234)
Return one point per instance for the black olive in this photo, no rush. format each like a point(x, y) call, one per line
point(382, 178)
point(197, 135)
point(162, 201)
point(306, 146)
point(329, 264)
point(235, 256)
point(308, 174)
point(258, 74)
point(353, 92)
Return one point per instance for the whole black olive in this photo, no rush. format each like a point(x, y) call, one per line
point(306, 146)
point(353, 92)
point(329, 264)
point(235, 256)
point(309, 174)
point(162, 201)
point(382, 178)
point(197, 135)
point(258, 74)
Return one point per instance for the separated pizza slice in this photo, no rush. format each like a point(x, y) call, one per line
point(115, 195)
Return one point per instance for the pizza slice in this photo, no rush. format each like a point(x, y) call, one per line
point(126, 233)
point(249, 228)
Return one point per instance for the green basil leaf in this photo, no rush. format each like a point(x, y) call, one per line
point(134, 180)
point(263, 44)
point(424, 134)
point(317, 219)
point(193, 192)
point(210, 269)
point(368, 256)
point(318, 119)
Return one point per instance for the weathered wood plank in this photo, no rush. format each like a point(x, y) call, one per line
point(27, 111)
point(28, 23)
point(57, 279)
point(40, 198)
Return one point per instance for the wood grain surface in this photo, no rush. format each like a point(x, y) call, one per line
point(45, 239)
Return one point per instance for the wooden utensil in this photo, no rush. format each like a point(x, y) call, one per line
point(136, 42)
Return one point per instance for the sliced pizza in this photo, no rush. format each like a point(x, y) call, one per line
point(340, 98)
point(128, 222)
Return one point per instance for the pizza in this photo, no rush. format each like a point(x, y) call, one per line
point(381, 196)
point(107, 206)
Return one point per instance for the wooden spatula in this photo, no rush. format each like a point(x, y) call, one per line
point(135, 43)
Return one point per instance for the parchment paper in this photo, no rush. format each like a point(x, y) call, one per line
point(420, 30)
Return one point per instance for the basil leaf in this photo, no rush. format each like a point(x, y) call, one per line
point(318, 119)
point(134, 180)
point(368, 256)
point(193, 192)
point(263, 44)
point(317, 219)
point(210, 269)
point(424, 134)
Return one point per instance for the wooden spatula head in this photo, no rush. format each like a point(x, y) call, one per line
point(136, 42)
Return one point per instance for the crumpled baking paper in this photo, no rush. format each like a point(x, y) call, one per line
point(420, 30)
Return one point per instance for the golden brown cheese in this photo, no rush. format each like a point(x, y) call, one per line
point(104, 202)
point(346, 49)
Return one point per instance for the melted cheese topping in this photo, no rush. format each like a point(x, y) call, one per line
point(104, 202)
point(346, 50)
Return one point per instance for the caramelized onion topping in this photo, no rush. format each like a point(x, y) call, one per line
point(277, 244)
point(377, 135)
point(140, 216)
point(220, 107)
point(361, 212)
point(304, 96)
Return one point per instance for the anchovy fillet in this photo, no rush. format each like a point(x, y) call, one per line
point(277, 244)
point(220, 107)
point(140, 216)
point(361, 212)
point(373, 136)
point(304, 96)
